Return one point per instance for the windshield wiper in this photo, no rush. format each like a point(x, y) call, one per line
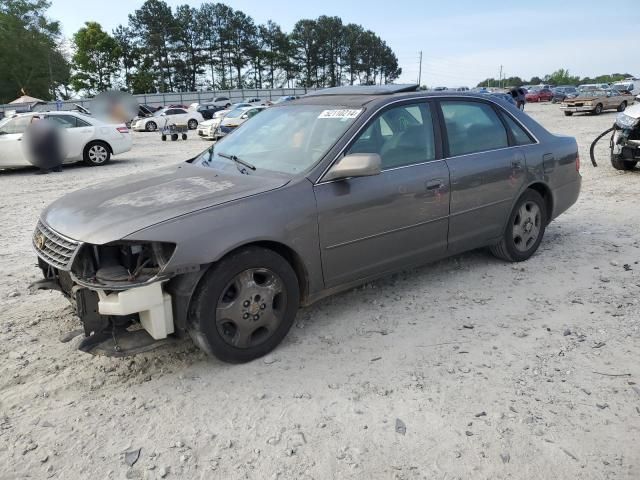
point(237, 160)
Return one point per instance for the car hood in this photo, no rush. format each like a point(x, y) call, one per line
point(113, 210)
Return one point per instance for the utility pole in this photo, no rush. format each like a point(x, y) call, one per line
point(420, 72)
point(500, 76)
point(51, 87)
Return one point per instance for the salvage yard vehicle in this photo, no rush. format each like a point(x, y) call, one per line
point(234, 119)
point(84, 138)
point(624, 144)
point(168, 115)
point(308, 198)
point(596, 102)
point(539, 94)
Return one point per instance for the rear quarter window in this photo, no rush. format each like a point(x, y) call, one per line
point(520, 136)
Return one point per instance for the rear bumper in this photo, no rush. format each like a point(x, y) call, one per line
point(123, 144)
point(565, 196)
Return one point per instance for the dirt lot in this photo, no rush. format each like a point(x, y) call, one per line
point(468, 368)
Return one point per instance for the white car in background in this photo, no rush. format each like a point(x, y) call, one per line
point(84, 138)
point(166, 116)
point(235, 118)
point(207, 130)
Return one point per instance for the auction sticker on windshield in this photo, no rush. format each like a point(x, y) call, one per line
point(345, 113)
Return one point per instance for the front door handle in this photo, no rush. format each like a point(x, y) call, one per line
point(435, 184)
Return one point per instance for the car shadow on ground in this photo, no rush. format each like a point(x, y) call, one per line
point(350, 300)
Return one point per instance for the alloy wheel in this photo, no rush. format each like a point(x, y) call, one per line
point(98, 154)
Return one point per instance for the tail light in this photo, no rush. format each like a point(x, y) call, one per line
point(578, 163)
point(123, 129)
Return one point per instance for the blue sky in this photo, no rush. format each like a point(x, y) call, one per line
point(461, 45)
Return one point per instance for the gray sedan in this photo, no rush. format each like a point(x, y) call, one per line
point(306, 199)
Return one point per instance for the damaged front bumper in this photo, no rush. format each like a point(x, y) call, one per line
point(116, 323)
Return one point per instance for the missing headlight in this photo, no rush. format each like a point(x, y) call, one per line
point(121, 262)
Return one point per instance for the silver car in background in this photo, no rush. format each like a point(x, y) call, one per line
point(306, 199)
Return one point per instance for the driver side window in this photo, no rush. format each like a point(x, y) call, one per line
point(401, 136)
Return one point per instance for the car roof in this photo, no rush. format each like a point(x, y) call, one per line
point(360, 100)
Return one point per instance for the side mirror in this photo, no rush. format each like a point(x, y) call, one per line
point(163, 114)
point(355, 165)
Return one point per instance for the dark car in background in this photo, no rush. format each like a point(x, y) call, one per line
point(306, 199)
point(208, 109)
point(507, 97)
point(562, 92)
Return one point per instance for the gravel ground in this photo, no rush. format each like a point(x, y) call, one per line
point(467, 368)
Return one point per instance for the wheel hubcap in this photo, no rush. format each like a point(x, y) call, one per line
point(526, 226)
point(251, 308)
point(97, 154)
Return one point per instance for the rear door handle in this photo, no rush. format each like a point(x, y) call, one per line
point(517, 165)
point(435, 184)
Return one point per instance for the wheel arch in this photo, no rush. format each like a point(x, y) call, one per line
point(184, 287)
point(98, 140)
point(545, 192)
point(289, 254)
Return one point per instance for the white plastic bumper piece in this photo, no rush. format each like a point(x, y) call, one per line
point(150, 302)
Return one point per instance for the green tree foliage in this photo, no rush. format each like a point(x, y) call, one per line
point(186, 48)
point(96, 59)
point(31, 60)
point(215, 46)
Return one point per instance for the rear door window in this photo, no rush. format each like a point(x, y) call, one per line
point(16, 125)
point(472, 127)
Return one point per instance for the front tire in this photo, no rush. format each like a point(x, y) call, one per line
point(244, 305)
point(96, 154)
point(192, 124)
point(622, 107)
point(525, 229)
point(151, 126)
point(621, 164)
point(598, 109)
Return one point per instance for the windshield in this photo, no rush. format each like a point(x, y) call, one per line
point(287, 139)
point(593, 93)
point(623, 87)
point(159, 112)
point(235, 113)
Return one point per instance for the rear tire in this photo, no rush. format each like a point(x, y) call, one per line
point(525, 229)
point(174, 137)
point(184, 136)
point(96, 154)
point(245, 305)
